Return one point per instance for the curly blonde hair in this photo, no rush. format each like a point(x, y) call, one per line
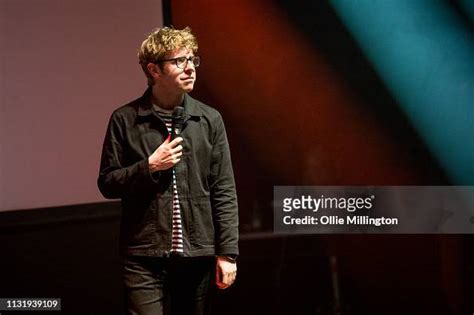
point(161, 41)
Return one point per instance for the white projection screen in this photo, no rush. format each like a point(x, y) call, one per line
point(65, 66)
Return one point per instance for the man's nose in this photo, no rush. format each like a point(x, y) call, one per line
point(189, 67)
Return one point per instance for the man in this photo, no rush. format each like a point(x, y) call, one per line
point(179, 226)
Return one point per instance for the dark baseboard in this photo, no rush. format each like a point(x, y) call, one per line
point(72, 252)
point(18, 220)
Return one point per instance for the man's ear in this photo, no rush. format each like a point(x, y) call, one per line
point(154, 70)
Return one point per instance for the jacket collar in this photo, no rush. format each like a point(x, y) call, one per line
point(191, 107)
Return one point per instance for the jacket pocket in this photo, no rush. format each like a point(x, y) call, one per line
point(202, 232)
point(138, 222)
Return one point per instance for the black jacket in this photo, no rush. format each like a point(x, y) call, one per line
point(205, 181)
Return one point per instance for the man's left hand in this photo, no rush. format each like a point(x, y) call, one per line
point(226, 272)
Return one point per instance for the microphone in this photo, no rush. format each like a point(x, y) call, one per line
point(178, 121)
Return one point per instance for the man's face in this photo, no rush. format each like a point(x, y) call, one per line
point(175, 79)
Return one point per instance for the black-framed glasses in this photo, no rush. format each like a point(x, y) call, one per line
point(182, 62)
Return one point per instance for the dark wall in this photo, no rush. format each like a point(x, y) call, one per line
point(72, 253)
point(65, 252)
point(302, 106)
point(301, 103)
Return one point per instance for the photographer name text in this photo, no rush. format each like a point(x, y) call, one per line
point(310, 206)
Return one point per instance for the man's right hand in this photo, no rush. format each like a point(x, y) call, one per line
point(167, 155)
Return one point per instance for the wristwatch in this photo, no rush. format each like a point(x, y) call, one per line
point(230, 258)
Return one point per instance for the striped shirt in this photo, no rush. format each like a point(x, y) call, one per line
point(177, 231)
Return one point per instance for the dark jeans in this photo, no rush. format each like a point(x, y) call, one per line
point(173, 285)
